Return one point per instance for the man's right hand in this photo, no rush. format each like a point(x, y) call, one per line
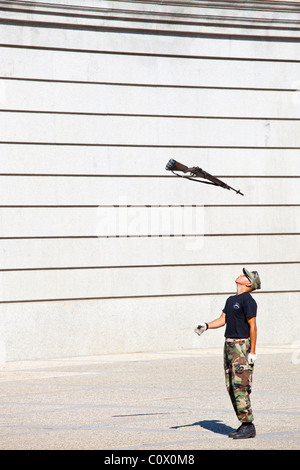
point(201, 328)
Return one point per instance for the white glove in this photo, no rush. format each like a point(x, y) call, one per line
point(252, 358)
point(201, 328)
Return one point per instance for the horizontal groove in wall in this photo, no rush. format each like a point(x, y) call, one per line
point(156, 116)
point(96, 206)
point(141, 297)
point(66, 237)
point(283, 6)
point(166, 17)
point(152, 31)
point(172, 19)
point(90, 206)
point(150, 85)
point(227, 4)
point(183, 265)
point(144, 54)
point(166, 146)
point(88, 175)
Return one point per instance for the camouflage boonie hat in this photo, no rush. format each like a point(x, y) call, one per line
point(254, 277)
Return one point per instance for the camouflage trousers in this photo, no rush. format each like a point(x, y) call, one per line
point(238, 376)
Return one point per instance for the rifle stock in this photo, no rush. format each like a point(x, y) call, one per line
point(172, 165)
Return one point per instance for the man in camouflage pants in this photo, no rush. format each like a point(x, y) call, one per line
point(239, 315)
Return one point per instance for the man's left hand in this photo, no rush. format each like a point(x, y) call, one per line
point(252, 358)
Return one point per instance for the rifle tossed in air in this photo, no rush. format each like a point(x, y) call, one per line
point(196, 172)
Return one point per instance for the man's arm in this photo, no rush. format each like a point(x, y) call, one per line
point(253, 333)
point(213, 324)
point(218, 323)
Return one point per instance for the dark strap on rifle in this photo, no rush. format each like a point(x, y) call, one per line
point(192, 179)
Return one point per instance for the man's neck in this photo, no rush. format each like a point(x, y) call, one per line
point(241, 289)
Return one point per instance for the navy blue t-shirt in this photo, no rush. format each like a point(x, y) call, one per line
point(237, 309)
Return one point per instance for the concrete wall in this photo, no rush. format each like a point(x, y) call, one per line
point(95, 100)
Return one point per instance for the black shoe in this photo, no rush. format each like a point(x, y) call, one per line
point(245, 431)
point(233, 433)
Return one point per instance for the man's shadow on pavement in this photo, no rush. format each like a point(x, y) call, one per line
point(213, 425)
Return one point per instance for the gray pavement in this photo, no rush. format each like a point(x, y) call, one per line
point(165, 401)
